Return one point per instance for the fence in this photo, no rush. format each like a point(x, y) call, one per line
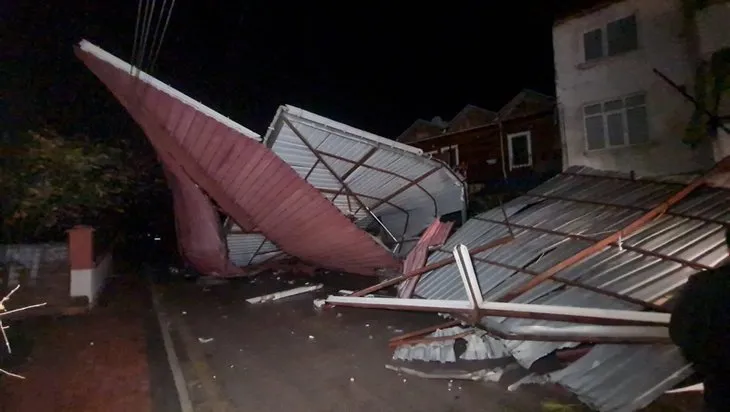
point(56, 273)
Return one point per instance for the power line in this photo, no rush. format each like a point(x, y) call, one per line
point(162, 37)
point(136, 35)
point(149, 12)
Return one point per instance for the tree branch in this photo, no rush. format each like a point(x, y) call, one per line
point(3, 312)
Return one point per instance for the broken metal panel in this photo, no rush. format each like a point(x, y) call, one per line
point(634, 274)
point(401, 186)
point(623, 378)
point(434, 235)
point(246, 249)
point(248, 181)
point(442, 350)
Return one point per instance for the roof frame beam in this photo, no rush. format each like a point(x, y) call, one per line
point(361, 163)
point(590, 239)
point(334, 174)
point(722, 165)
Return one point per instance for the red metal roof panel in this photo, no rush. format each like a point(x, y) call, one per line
point(246, 179)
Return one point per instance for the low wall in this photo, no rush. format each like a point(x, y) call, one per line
point(41, 270)
point(90, 282)
point(56, 273)
point(90, 267)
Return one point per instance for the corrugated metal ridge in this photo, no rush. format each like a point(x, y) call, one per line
point(341, 129)
point(107, 57)
point(642, 277)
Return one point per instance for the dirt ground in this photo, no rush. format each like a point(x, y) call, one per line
point(94, 362)
point(285, 355)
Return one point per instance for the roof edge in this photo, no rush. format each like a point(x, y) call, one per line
point(88, 47)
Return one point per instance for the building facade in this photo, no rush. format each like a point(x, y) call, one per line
point(514, 148)
point(616, 112)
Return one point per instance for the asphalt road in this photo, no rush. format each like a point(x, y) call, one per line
point(286, 356)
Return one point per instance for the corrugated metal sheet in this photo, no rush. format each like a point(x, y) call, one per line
point(247, 249)
point(443, 350)
point(435, 235)
point(622, 378)
point(692, 231)
point(247, 180)
point(401, 186)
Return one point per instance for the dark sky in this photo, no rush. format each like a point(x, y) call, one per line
point(376, 67)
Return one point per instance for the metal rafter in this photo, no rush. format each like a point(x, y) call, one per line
point(334, 174)
point(568, 282)
point(377, 169)
point(591, 239)
point(406, 187)
point(628, 230)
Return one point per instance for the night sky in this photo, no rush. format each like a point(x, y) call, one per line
point(376, 67)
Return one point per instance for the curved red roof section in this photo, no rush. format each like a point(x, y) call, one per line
point(248, 181)
point(198, 228)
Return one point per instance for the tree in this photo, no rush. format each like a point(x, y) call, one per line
point(50, 182)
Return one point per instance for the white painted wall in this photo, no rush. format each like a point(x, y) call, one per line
point(661, 46)
point(89, 282)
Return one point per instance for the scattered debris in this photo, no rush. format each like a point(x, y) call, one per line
point(205, 340)
point(439, 346)
point(480, 375)
point(284, 294)
point(319, 304)
point(310, 337)
point(4, 312)
point(532, 378)
point(698, 387)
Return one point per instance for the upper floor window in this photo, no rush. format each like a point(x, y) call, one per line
point(619, 36)
point(448, 154)
point(617, 122)
point(520, 150)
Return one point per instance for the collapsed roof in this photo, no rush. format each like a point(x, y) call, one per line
point(569, 214)
point(289, 197)
point(366, 176)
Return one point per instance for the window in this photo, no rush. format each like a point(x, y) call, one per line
point(615, 123)
point(448, 154)
point(520, 150)
point(619, 36)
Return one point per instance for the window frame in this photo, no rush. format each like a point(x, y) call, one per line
point(510, 149)
point(604, 39)
point(443, 149)
point(624, 121)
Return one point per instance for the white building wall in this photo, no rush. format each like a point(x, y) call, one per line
point(661, 46)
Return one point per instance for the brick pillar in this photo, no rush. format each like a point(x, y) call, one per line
point(81, 247)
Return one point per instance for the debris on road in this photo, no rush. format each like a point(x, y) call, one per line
point(205, 340)
point(283, 294)
point(480, 375)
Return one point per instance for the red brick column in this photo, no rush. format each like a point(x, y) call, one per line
point(81, 247)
